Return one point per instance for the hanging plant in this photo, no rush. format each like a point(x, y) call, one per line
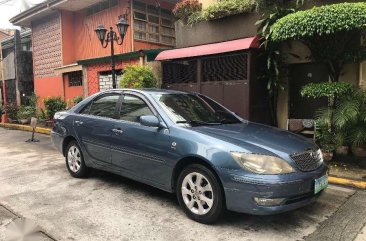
point(185, 8)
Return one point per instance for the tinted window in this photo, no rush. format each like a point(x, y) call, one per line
point(133, 107)
point(194, 109)
point(104, 106)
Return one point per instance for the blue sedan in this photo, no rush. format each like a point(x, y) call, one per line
point(188, 144)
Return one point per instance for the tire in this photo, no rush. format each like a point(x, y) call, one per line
point(204, 204)
point(75, 161)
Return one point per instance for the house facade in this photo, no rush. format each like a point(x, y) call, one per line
point(17, 67)
point(68, 59)
point(222, 31)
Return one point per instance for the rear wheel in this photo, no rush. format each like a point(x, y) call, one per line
point(75, 161)
point(199, 194)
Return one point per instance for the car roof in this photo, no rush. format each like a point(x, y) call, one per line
point(150, 91)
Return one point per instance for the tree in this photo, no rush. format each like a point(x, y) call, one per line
point(135, 76)
point(331, 32)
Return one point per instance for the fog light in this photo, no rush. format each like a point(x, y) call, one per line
point(269, 201)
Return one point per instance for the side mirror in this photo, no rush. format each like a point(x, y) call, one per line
point(149, 120)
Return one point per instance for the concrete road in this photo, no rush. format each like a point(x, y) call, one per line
point(35, 184)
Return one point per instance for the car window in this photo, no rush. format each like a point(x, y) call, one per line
point(104, 106)
point(133, 107)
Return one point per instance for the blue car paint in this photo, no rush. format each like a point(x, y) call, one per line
point(150, 154)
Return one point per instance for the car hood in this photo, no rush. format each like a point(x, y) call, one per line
point(258, 138)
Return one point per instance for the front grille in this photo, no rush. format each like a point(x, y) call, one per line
point(307, 161)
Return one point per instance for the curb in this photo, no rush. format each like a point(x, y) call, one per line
point(39, 130)
point(347, 182)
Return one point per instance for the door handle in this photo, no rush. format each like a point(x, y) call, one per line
point(117, 131)
point(79, 123)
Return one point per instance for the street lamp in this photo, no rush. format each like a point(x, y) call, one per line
point(106, 37)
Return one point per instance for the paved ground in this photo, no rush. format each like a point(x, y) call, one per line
point(35, 184)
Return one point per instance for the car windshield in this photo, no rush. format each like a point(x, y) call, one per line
point(194, 109)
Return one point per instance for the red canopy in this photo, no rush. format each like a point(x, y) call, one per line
point(209, 49)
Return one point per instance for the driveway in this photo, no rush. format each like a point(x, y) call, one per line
point(35, 184)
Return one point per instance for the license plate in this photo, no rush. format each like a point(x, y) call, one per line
point(320, 184)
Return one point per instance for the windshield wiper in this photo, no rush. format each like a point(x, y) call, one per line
point(227, 121)
point(198, 123)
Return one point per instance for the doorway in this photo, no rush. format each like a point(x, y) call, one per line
point(300, 75)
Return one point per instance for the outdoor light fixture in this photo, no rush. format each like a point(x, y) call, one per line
point(106, 37)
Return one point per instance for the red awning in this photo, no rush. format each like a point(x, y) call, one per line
point(209, 49)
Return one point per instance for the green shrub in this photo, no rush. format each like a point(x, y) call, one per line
point(229, 7)
point(11, 110)
point(136, 76)
point(53, 105)
point(26, 112)
point(77, 100)
point(324, 20)
point(326, 89)
point(185, 8)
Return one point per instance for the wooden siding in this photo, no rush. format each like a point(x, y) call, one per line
point(83, 37)
point(47, 51)
point(80, 41)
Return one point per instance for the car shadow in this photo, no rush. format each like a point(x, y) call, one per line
point(279, 222)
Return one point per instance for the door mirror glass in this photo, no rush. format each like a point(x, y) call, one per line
point(149, 120)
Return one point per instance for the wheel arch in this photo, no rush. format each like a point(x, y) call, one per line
point(66, 142)
point(188, 160)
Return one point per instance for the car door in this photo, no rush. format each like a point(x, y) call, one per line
point(139, 149)
point(94, 125)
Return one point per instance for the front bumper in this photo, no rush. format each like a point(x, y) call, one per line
point(297, 189)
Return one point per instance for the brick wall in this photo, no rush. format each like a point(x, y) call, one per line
point(47, 45)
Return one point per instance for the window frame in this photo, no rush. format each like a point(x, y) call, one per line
point(89, 105)
point(144, 99)
point(160, 15)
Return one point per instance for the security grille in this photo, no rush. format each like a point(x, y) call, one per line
point(180, 72)
point(307, 161)
point(225, 68)
point(75, 78)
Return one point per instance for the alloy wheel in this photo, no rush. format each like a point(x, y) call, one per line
point(74, 159)
point(197, 193)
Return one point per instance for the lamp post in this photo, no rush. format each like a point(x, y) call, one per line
point(110, 37)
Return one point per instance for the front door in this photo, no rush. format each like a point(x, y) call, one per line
point(140, 150)
point(94, 127)
point(300, 75)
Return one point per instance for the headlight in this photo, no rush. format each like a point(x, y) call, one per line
point(262, 164)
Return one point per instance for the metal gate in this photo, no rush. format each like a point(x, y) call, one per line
point(223, 78)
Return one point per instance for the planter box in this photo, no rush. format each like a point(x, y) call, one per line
point(214, 31)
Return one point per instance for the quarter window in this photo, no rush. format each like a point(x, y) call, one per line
point(104, 106)
point(133, 108)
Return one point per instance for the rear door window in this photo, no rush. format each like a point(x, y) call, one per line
point(104, 106)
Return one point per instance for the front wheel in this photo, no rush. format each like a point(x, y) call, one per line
point(199, 194)
point(75, 161)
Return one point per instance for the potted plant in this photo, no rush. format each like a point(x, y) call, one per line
point(25, 113)
point(11, 111)
point(183, 9)
point(350, 117)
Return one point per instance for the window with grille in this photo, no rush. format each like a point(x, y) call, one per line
point(225, 68)
point(153, 24)
point(75, 78)
point(180, 72)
